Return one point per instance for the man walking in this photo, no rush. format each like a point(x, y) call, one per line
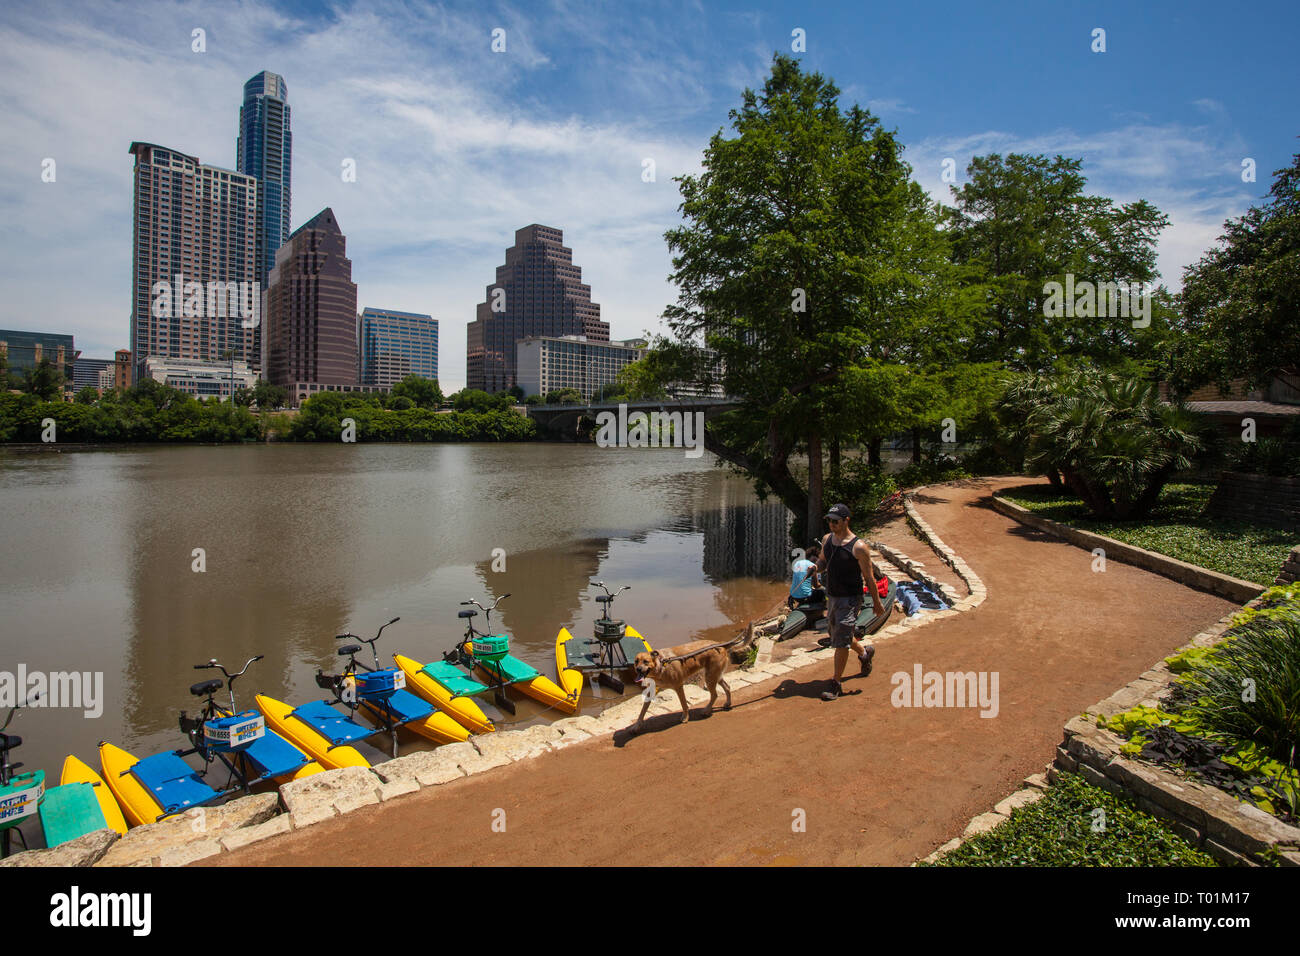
point(845, 561)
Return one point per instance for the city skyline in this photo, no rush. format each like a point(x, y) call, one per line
point(451, 158)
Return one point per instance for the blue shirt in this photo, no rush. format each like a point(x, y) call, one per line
point(801, 568)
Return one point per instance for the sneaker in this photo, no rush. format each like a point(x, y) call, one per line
point(832, 692)
point(868, 653)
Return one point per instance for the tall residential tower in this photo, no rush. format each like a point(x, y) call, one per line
point(193, 260)
point(539, 291)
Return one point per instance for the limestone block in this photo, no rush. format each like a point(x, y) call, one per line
point(321, 795)
point(187, 853)
point(261, 831)
point(86, 850)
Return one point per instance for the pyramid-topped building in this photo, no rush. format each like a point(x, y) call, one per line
point(538, 292)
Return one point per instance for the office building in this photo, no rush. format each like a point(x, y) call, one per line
point(194, 289)
point(393, 345)
point(546, 364)
point(538, 292)
point(201, 379)
point(23, 351)
point(311, 312)
point(92, 373)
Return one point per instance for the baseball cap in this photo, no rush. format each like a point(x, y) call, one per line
point(838, 511)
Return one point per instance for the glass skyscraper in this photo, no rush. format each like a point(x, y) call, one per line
point(395, 344)
point(264, 151)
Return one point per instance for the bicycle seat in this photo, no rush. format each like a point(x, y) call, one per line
point(9, 741)
point(467, 613)
point(604, 598)
point(348, 649)
point(205, 687)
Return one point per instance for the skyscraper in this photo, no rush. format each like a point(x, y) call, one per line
point(397, 344)
point(192, 259)
point(311, 311)
point(539, 291)
point(264, 150)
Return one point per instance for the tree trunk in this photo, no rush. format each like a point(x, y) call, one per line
point(814, 480)
point(916, 444)
point(873, 451)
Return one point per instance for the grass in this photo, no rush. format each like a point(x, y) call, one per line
point(1064, 828)
point(1176, 527)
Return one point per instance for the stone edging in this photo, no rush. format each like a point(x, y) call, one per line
point(205, 832)
point(1228, 829)
point(1224, 585)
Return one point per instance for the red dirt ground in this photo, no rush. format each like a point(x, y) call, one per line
point(878, 785)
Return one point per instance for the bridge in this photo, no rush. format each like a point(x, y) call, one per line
point(561, 421)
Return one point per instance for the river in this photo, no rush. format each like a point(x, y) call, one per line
point(100, 565)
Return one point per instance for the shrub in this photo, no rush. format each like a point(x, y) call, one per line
point(1110, 439)
point(860, 486)
point(1058, 830)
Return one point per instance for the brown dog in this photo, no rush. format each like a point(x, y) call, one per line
point(677, 665)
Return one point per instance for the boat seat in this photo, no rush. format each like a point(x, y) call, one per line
point(404, 705)
point(173, 783)
point(273, 755)
point(454, 679)
point(330, 724)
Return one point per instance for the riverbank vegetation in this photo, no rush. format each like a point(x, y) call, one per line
point(153, 412)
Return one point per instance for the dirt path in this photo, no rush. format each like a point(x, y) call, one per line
point(877, 784)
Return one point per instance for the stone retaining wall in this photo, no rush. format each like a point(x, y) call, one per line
point(1290, 568)
point(1224, 585)
point(1266, 499)
point(1231, 831)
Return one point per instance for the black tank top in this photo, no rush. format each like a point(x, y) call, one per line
point(843, 573)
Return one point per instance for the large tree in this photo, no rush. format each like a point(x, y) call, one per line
point(1026, 221)
point(806, 258)
point(1241, 301)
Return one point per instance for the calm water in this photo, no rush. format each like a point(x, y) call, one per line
point(303, 542)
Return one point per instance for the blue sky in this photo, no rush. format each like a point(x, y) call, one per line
point(456, 146)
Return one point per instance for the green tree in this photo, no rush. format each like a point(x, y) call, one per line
point(564, 396)
point(45, 380)
point(87, 395)
point(1241, 300)
point(267, 396)
point(1025, 221)
point(806, 256)
point(424, 392)
point(474, 399)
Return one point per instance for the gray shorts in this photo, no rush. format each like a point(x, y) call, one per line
point(842, 612)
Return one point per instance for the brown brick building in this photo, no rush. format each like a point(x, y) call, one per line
point(539, 291)
point(311, 311)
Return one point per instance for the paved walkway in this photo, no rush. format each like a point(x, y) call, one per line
point(876, 784)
